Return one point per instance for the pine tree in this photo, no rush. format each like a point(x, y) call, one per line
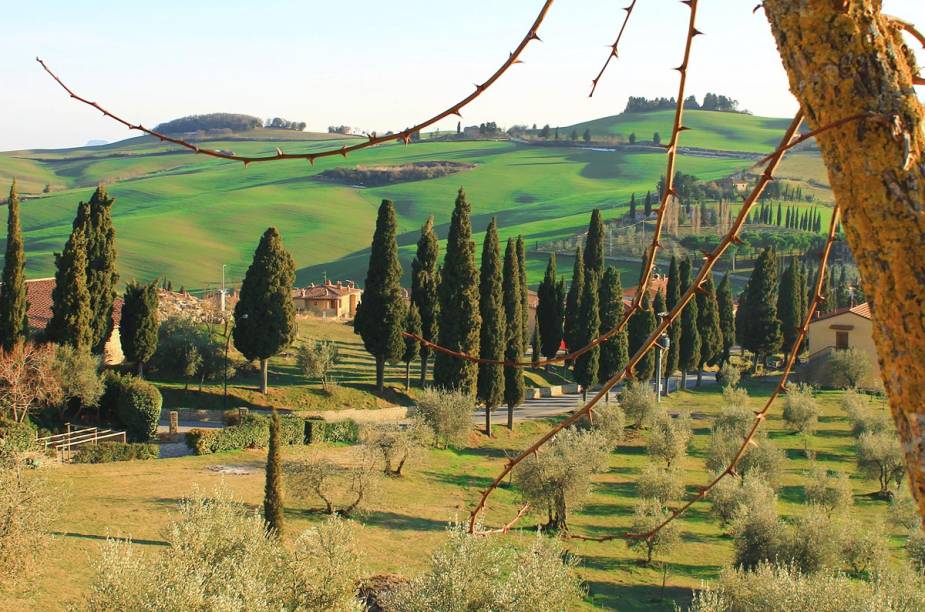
point(264, 317)
point(412, 347)
point(524, 293)
point(614, 355)
point(273, 487)
point(381, 315)
point(70, 309)
point(641, 325)
point(689, 355)
point(672, 297)
point(763, 333)
point(573, 303)
point(459, 304)
point(513, 377)
point(138, 324)
point(424, 282)
point(549, 311)
point(492, 307)
point(13, 304)
point(102, 277)
point(708, 324)
point(589, 324)
point(788, 306)
point(594, 246)
point(727, 323)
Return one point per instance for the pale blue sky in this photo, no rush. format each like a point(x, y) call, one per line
point(367, 63)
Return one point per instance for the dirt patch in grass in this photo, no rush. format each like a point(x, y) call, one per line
point(376, 176)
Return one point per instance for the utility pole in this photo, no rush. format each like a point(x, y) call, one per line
point(663, 344)
point(223, 289)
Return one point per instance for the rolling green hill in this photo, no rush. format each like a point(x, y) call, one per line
point(182, 216)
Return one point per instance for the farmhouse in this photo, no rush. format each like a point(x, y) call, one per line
point(839, 330)
point(39, 291)
point(657, 284)
point(338, 300)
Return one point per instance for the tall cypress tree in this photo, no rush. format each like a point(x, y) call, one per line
point(672, 297)
point(412, 347)
point(779, 215)
point(788, 306)
point(594, 246)
point(524, 293)
point(647, 205)
point(549, 311)
point(493, 341)
point(589, 324)
point(70, 308)
point(513, 377)
point(273, 485)
point(102, 277)
point(641, 325)
point(13, 304)
point(802, 292)
point(708, 324)
point(264, 317)
point(459, 304)
point(380, 318)
point(424, 282)
point(573, 303)
point(536, 346)
point(614, 353)
point(727, 324)
point(763, 333)
point(633, 207)
point(689, 355)
point(138, 325)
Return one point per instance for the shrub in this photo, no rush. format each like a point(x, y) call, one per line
point(904, 512)
point(669, 437)
point(724, 499)
point(344, 489)
point(915, 548)
point(219, 558)
point(470, 572)
point(660, 483)
point(447, 413)
point(801, 413)
point(864, 548)
point(831, 492)
point(253, 431)
point(648, 514)
point(113, 384)
point(728, 376)
point(78, 375)
point(814, 542)
point(107, 452)
point(557, 479)
point(880, 456)
point(17, 437)
point(395, 444)
point(139, 410)
point(848, 368)
point(639, 403)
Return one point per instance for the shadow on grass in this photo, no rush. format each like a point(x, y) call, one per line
point(394, 520)
point(610, 596)
point(102, 538)
point(606, 510)
point(461, 480)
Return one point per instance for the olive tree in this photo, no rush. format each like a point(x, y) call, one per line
point(648, 514)
point(848, 368)
point(761, 457)
point(344, 489)
point(880, 457)
point(669, 438)
point(829, 491)
point(316, 359)
point(395, 444)
point(447, 413)
point(639, 403)
point(801, 412)
point(662, 484)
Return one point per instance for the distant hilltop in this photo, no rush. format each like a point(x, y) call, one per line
point(225, 121)
point(711, 102)
point(96, 142)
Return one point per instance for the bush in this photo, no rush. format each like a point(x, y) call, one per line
point(78, 374)
point(734, 419)
point(669, 437)
point(139, 410)
point(848, 368)
point(904, 512)
point(447, 413)
point(801, 413)
point(107, 452)
point(253, 431)
point(915, 548)
point(864, 549)
point(728, 376)
point(113, 384)
point(639, 403)
point(813, 543)
point(660, 483)
point(724, 499)
point(17, 437)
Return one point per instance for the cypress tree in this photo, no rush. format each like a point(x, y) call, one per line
point(102, 277)
point(412, 347)
point(711, 336)
point(689, 355)
point(763, 333)
point(424, 282)
point(788, 306)
point(138, 325)
point(13, 305)
point(459, 304)
point(633, 207)
point(779, 215)
point(573, 303)
point(614, 352)
point(264, 317)
point(513, 377)
point(672, 297)
point(647, 205)
point(381, 315)
point(589, 324)
point(802, 291)
point(70, 309)
point(788, 217)
point(727, 323)
point(273, 486)
point(524, 293)
point(492, 307)
point(641, 325)
point(536, 346)
point(549, 311)
point(594, 246)
point(741, 318)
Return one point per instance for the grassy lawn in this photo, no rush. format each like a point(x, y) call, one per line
point(135, 499)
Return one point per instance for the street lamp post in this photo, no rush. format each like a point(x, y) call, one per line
point(663, 344)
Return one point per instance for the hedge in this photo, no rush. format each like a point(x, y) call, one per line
point(319, 430)
point(139, 408)
point(107, 452)
point(252, 432)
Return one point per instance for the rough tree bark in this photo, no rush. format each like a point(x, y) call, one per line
point(843, 58)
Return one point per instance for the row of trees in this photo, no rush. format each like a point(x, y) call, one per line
point(809, 220)
point(711, 102)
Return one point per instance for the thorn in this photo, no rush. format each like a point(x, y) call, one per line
point(625, 8)
point(517, 61)
point(752, 442)
point(759, 416)
point(279, 152)
point(311, 160)
point(696, 32)
point(681, 68)
point(755, 10)
point(683, 128)
point(245, 162)
point(736, 239)
point(343, 151)
point(535, 36)
point(699, 289)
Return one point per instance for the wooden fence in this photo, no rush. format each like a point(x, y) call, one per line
point(64, 443)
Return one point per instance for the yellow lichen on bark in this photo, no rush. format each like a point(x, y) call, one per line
point(844, 58)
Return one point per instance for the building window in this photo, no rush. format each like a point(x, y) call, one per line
point(841, 340)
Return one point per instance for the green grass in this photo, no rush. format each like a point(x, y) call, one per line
point(182, 216)
point(136, 499)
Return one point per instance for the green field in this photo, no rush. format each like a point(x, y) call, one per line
point(182, 216)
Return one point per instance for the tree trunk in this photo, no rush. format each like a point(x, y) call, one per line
point(488, 421)
point(380, 374)
point(264, 367)
point(510, 417)
point(141, 370)
point(699, 376)
point(407, 375)
point(424, 360)
point(842, 59)
point(683, 379)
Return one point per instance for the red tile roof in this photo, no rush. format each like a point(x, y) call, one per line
point(38, 292)
point(861, 310)
point(656, 283)
point(326, 291)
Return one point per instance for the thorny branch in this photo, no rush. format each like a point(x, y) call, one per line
point(613, 48)
point(372, 140)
